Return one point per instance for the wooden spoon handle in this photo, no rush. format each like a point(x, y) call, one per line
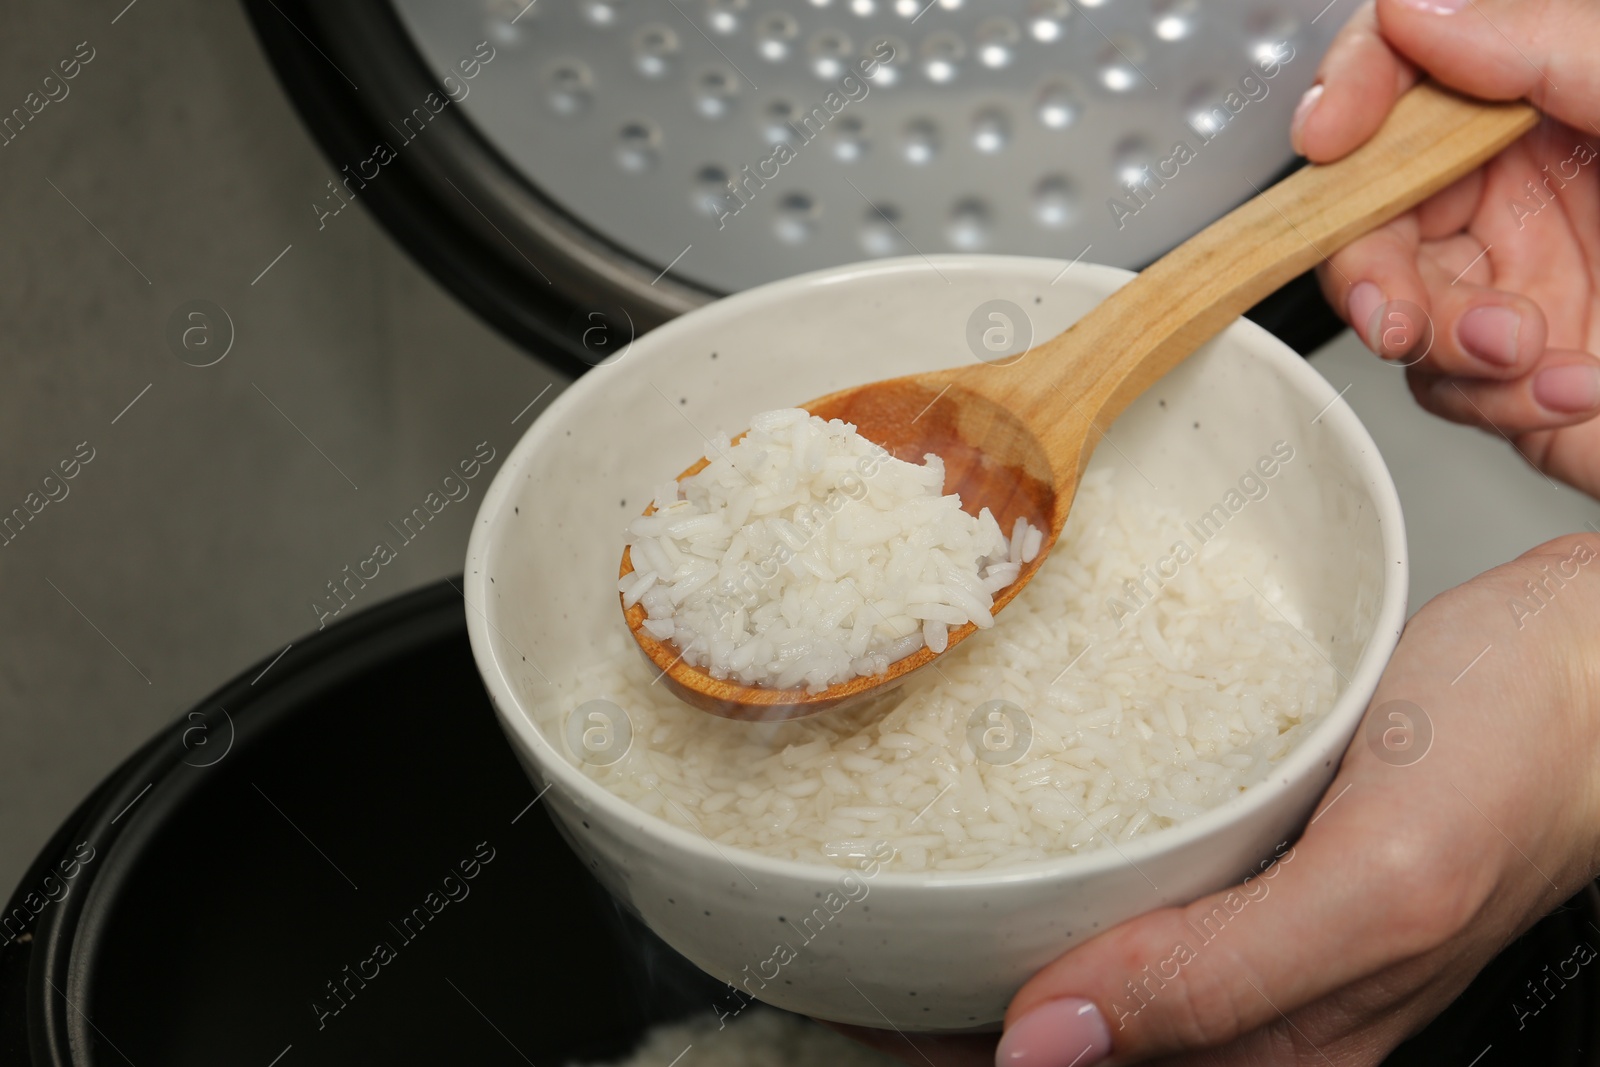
point(1431, 138)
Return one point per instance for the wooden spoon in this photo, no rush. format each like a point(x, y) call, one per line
point(1016, 438)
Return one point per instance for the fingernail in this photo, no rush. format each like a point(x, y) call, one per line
point(1569, 389)
point(1436, 7)
point(1069, 1032)
point(1302, 111)
point(1361, 308)
point(1490, 334)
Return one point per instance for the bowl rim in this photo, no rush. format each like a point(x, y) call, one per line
point(1327, 738)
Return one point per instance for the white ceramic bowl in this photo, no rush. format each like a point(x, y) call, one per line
point(924, 951)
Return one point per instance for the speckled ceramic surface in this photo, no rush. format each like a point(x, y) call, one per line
point(929, 951)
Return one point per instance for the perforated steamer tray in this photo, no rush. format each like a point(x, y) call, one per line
point(359, 792)
point(777, 138)
point(562, 178)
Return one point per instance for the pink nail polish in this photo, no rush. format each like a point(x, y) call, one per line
point(1490, 334)
point(1069, 1032)
point(1436, 7)
point(1568, 390)
point(1361, 309)
point(1302, 111)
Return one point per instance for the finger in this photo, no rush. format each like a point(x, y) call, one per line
point(1356, 1026)
point(1537, 50)
point(1450, 210)
point(1561, 389)
point(1414, 316)
point(1375, 285)
point(1358, 81)
point(1540, 225)
point(1478, 332)
point(1387, 266)
point(1206, 974)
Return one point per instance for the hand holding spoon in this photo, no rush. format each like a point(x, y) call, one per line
point(1016, 438)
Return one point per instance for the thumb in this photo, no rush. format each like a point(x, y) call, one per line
point(1205, 974)
point(1541, 51)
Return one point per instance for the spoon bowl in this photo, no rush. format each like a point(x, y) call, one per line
point(1016, 436)
point(990, 457)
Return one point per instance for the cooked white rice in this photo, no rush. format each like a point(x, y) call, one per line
point(807, 554)
point(756, 1037)
point(1134, 727)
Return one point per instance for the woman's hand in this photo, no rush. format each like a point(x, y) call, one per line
point(1506, 262)
point(1414, 873)
point(1444, 836)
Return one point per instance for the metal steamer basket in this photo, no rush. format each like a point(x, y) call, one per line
point(563, 163)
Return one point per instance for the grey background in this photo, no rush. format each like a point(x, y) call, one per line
point(198, 536)
point(193, 544)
